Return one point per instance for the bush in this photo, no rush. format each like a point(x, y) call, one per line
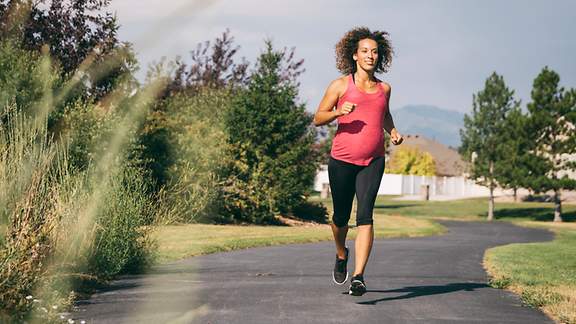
point(30, 169)
point(64, 222)
point(22, 81)
point(121, 242)
point(311, 211)
point(193, 150)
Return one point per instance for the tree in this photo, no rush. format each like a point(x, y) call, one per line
point(270, 136)
point(552, 123)
point(410, 160)
point(75, 31)
point(484, 130)
point(324, 146)
point(212, 66)
point(516, 153)
point(213, 69)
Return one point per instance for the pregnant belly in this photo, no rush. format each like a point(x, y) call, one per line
point(358, 148)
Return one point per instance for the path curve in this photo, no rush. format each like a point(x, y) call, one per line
point(437, 279)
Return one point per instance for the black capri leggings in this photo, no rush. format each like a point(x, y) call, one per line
point(347, 179)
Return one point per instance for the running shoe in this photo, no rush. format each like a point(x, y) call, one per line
point(357, 286)
point(340, 273)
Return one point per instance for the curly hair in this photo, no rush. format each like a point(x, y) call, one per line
point(348, 45)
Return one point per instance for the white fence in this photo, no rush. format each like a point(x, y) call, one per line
point(398, 184)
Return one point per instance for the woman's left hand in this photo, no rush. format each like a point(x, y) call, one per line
point(395, 137)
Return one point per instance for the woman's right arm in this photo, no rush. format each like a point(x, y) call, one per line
point(326, 112)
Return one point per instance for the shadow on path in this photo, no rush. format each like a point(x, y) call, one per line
point(417, 291)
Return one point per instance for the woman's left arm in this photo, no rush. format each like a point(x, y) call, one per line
point(388, 121)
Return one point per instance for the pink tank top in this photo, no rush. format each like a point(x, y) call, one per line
point(360, 134)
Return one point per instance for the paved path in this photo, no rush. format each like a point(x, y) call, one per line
point(436, 279)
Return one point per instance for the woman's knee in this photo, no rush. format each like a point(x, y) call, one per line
point(340, 221)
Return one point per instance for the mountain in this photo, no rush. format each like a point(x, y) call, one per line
point(435, 123)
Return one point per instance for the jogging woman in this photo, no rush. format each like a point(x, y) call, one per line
point(359, 102)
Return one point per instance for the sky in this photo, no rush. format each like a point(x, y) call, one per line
point(444, 49)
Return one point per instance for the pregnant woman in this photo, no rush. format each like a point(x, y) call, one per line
point(359, 102)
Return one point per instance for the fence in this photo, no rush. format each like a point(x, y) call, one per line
point(399, 184)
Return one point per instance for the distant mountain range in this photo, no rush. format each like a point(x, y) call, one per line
point(430, 121)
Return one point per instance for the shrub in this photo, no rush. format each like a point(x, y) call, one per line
point(192, 131)
point(121, 242)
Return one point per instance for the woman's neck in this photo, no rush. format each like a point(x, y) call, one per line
point(363, 76)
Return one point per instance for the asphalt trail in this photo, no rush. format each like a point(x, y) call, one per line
point(436, 279)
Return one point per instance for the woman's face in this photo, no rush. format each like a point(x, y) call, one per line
point(366, 56)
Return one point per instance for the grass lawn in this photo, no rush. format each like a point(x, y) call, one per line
point(180, 241)
point(468, 209)
point(544, 274)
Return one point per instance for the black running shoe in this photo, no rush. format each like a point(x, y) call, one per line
point(357, 286)
point(340, 273)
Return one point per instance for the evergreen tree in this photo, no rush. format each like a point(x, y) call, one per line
point(483, 133)
point(516, 153)
point(552, 126)
point(272, 164)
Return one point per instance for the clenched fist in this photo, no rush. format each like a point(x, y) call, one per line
point(395, 137)
point(346, 108)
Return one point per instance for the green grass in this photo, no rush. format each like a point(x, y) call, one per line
point(544, 274)
point(180, 241)
point(469, 209)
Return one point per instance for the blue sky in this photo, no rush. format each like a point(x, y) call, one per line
point(445, 49)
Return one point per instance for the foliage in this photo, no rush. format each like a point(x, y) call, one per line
point(312, 211)
point(197, 140)
point(22, 79)
point(121, 242)
point(517, 151)
point(271, 165)
point(75, 32)
point(212, 66)
point(324, 146)
point(410, 160)
point(483, 131)
point(483, 136)
point(65, 221)
point(552, 123)
point(27, 173)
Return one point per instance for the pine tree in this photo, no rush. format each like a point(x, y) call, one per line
point(270, 139)
point(516, 153)
point(482, 136)
point(552, 127)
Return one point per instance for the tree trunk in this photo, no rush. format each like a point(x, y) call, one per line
point(491, 199)
point(515, 194)
point(557, 206)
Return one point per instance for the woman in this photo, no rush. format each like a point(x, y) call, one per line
point(359, 101)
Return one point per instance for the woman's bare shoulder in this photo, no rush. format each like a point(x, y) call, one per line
point(338, 85)
point(386, 86)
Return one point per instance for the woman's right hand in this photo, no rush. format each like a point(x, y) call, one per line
point(346, 108)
